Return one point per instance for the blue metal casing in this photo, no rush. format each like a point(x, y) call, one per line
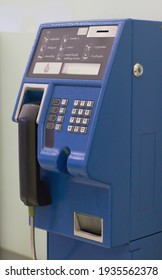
point(113, 171)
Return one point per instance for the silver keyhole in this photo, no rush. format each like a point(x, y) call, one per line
point(138, 70)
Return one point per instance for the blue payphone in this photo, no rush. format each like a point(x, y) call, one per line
point(90, 138)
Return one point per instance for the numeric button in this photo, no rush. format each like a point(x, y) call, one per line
point(79, 120)
point(62, 110)
point(76, 129)
point(80, 112)
point(90, 103)
point(60, 119)
point(83, 129)
point(88, 113)
point(85, 121)
point(76, 103)
point(74, 111)
point(70, 128)
point(64, 102)
point(72, 119)
point(58, 126)
point(83, 103)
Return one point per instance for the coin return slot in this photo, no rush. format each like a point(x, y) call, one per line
point(89, 227)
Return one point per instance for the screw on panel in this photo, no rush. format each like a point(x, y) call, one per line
point(138, 70)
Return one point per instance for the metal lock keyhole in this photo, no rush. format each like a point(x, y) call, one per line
point(138, 70)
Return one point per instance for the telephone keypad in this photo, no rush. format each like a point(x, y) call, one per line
point(78, 121)
point(81, 113)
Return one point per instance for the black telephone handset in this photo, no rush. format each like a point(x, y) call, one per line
point(33, 191)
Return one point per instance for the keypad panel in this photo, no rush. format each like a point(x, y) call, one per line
point(78, 122)
point(80, 116)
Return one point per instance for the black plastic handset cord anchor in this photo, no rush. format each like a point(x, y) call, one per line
point(33, 191)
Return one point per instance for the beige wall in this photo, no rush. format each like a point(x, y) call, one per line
point(19, 21)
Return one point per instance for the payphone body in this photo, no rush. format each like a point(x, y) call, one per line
point(99, 137)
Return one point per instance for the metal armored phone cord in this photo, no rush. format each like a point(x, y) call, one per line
point(32, 231)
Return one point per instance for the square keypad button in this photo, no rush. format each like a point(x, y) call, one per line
point(83, 129)
point(77, 103)
point(74, 111)
point(85, 121)
point(83, 103)
point(62, 110)
point(88, 113)
point(80, 112)
point(90, 103)
point(76, 129)
point(58, 126)
point(72, 119)
point(64, 102)
point(60, 119)
point(70, 128)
